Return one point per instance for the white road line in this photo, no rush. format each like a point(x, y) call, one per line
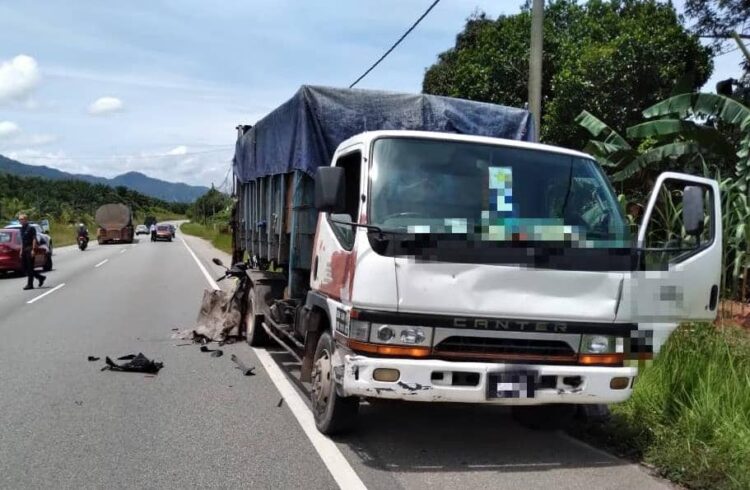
point(101, 263)
point(45, 294)
point(200, 265)
point(336, 463)
point(123, 250)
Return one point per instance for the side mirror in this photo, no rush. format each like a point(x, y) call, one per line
point(693, 210)
point(218, 262)
point(329, 190)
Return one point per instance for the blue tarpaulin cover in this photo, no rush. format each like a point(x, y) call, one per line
point(303, 133)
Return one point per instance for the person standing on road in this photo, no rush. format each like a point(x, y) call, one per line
point(29, 245)
point(153, 231)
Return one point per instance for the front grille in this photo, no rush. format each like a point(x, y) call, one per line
point(484, 347)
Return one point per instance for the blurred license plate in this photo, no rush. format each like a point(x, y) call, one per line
point(511, 384)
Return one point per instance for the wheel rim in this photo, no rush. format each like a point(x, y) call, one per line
point(322, 382)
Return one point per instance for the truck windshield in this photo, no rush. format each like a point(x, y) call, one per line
point(493, 193)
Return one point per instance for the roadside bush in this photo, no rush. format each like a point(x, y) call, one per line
point(690, 411)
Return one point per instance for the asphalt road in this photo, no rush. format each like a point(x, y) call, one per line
point(200, 423)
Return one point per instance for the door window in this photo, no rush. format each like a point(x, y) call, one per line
point(352, 165)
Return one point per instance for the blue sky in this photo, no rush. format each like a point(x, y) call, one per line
point(159, 86)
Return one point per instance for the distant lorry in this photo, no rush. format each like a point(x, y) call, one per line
point(115, 224)
point(422, 248)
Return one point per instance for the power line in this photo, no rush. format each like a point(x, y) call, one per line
point(124, 157)
point(396, 43)
point(732, 50)
point(225, 182)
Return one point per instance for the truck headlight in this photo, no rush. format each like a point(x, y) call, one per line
point(598, 344)
point(385, 333)
point(381, 333)
point(413, 336)
point(359, 330)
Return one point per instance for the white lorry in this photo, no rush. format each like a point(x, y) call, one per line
point(446, 266)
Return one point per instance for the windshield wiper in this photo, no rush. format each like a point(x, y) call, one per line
point(374, 228)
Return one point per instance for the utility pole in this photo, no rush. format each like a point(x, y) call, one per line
point(535, 65)
point(741, 45)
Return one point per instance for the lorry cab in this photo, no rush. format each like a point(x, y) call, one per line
point(472, 269)
point(421, 248)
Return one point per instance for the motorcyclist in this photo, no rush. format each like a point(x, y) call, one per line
point(83, 231)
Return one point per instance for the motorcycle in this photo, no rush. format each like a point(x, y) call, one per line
point(83, 242)
point(236, 304)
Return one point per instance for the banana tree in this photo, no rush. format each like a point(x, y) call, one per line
point(673, 114)
point(688, 129)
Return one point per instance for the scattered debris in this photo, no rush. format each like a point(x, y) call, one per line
point(79, 403)
point(175, 329)
point(93, 358)
point(183, 344)
point(126, 358)
point(206, 349)
point(247, 371)
point(217, 353)
point(280, 402)
point(139, 364)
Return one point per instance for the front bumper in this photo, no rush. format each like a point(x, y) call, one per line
point(418, 383)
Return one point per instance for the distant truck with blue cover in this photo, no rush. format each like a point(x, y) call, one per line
point(425, 249)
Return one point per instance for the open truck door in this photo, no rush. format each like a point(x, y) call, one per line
point(679, 249)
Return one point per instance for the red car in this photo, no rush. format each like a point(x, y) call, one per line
point(163, 232)
point(10, 252)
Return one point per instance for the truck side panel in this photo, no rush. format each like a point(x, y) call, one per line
point(277, 223)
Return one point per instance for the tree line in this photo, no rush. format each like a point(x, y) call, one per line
point(627, 73)
point(69, 201)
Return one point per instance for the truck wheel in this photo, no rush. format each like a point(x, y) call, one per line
point(544, 417)
point(254, 332)
point(333, 413)
point(47, 263)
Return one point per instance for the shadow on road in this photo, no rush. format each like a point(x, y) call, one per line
point(451, 437)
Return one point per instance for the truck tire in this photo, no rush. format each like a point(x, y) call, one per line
point(333, 414)
point(255, 334)
point(544, 417)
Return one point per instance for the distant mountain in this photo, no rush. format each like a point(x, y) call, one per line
point(160, 189)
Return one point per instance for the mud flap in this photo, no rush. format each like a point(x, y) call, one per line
point(312, 335)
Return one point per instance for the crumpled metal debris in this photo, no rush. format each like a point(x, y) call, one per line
point(219, 319)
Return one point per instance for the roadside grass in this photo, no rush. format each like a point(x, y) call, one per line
point(62, 234)
point(689, 415)
point(219, 239)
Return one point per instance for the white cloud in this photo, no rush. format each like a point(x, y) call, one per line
point(105, 105)
point(12, 138)
point(8, 129)
point(178, 150)
point(18, 78)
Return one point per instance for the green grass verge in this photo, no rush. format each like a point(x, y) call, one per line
point(62, 234)
point(689, 415)
point(220, 240)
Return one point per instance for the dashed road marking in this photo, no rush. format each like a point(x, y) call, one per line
point(101, 263)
